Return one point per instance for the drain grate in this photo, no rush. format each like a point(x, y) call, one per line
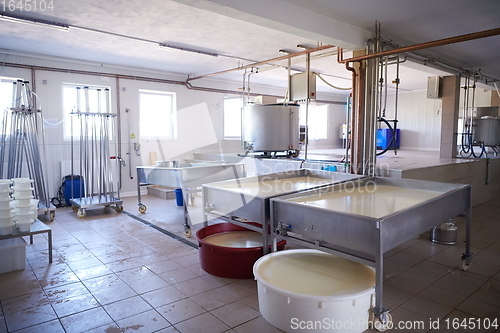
point(163, 231)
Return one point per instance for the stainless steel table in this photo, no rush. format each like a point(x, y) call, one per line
point(187, 177)
point(339, 219)
point(37, 227)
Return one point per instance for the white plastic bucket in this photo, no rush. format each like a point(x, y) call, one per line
point(23, 210)
point(23, 194)
point(5, 204)
point(23, 218)
point(22, 202)
point(34, 208)
point(6, 230)
point(5, 185)
point(6, 221)
point(22, 184)
point(24, 227)
point(313, 291)
point(5, 195)
point(6, 212)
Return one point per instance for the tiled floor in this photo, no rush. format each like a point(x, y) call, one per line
point(112, 273)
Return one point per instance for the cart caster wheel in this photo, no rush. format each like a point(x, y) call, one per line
point(81, 213)
point(119, 208)
point(142, 208)
point(465, 264)
point(52, 216)
point(383, 326)
point(187, 232)
point(74, 208)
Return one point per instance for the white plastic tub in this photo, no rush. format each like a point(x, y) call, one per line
point(312, 291)
point(12, 254)
point(5, 204)
point(23, 184)
point(6, 212)
point(24, 227)
point(6, 229)
point(23, 194)
point(5, 185)
point(23, 210)
point(5, 195)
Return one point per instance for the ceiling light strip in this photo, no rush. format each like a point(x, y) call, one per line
point(187, 49)
point(33, 21)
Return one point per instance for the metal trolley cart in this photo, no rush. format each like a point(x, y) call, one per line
point(364, 219)
point(188, 178)
point(247, 199)
point(91, 155)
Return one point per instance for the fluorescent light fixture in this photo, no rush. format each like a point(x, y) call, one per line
point(187, 49)
point(33, 21)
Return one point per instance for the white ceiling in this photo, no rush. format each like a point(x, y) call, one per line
point(255, 30)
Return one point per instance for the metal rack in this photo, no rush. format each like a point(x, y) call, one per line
point(21, 154)
point(92, 154)
point(301, 218)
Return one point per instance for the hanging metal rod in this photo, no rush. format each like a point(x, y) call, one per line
point(426, 45)
point(262, 62)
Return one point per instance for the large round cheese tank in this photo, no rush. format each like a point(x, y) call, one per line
point(271, 127)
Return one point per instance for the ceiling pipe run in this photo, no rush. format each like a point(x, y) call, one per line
point(145, 79)
point(262, 62)
point(426, 45)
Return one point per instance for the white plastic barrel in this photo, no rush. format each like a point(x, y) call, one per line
point(313, 291)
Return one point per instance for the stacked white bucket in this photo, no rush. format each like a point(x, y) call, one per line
point(18, 209)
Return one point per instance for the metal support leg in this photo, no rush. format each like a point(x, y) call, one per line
point(382, 318)
point(187, 219)
point(467, 256)
point(49, 236)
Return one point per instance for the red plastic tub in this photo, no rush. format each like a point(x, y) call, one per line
point(228, 262)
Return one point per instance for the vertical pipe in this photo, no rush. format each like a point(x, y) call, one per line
point(395, 127)
point(348, 129)
point(19, 94)
point(33, 86)
point(308, 72)
point(85, 144)
point(353, 111)
point(119, 130)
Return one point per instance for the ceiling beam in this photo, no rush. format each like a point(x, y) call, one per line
point(289, 18)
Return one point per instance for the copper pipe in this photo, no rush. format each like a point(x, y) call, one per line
point(255, 64)
point(426, 45)
point(353, 111)
point(360, 118)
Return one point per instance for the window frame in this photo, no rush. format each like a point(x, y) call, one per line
point(312, 127)
point(172, 135)
point(225, 119)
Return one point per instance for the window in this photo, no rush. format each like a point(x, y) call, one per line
point(157, 115)
point(317, 121)
point(96, 103)
point(232, 118)
point(6, 88)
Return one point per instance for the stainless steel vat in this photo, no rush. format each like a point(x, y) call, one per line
point(487, 131)
point(271, 127)
point(363, 238)
point(248, 198)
